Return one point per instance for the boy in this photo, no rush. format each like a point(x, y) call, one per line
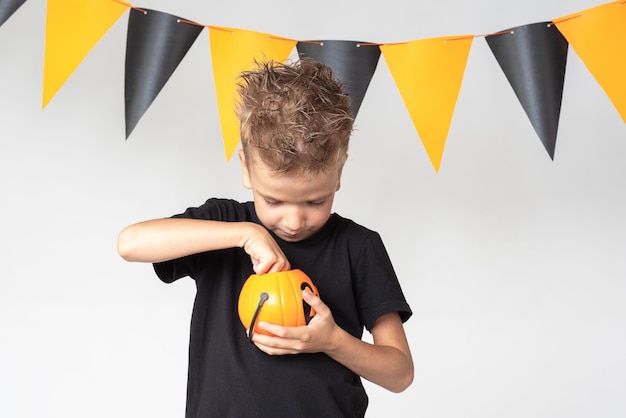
point(295, 126)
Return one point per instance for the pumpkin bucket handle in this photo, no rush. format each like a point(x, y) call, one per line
point(264, 297)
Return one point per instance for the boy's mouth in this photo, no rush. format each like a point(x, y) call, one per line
point(291, 236)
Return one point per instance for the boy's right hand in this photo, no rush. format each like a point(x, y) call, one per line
point(266, 255)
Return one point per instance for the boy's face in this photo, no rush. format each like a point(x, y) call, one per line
point(293, 207)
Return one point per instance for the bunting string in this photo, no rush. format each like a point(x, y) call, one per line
point(565, 19)
point(189, 22)
point(427, 72)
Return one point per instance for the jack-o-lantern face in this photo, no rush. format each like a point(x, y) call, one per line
point(275, 298)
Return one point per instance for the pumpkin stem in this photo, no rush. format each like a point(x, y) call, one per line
point(262, 300)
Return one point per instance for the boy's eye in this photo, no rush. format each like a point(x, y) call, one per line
point(315, 204)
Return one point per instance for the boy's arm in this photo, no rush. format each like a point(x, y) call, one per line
point(165, 239)
point(387, 362)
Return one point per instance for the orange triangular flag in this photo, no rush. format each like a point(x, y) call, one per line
point(598, 36)
point(72, 30)
point(234, 51)
point(428, 74)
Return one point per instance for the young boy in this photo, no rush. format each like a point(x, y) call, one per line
point(295, 126)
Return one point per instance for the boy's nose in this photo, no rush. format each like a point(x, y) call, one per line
point(294, 220)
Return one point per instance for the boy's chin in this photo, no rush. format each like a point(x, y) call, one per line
point(293, 237)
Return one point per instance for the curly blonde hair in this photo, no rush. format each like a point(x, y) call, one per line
point(296, 118)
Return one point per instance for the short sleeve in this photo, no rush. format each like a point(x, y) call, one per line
point(227, 210)
point(378, 289)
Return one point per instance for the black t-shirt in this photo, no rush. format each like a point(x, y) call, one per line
point(229, 376)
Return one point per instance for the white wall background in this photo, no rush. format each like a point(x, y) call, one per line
point(514, 264)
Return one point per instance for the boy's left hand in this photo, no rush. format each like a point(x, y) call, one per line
point(387, 362)
point(315, 337)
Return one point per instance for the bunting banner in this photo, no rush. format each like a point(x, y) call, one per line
point(428, 74)
point(73, 28)
point(598, 35)
point(234, 51)
point(7, 8)
point(352, 62)
point(533, 59)
point(156, 43)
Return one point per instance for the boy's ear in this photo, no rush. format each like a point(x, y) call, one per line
point(244, 170)
point(339, 178)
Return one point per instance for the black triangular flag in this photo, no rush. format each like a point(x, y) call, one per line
point(533, 58)
point(7, 8)
point(156, 43)
point(353, 62)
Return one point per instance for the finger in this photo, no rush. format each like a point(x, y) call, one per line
point(276, 267)
point(322, 311)
point(276, 330)
point(265, 266)
point(259, 268)
point(279, 265)
point(274, 351)
point(313, 300)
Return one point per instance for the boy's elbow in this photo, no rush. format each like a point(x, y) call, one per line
point(124, 245)
point(405, 375)
point(403, 382)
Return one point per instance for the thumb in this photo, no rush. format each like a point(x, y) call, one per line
point(312, 299)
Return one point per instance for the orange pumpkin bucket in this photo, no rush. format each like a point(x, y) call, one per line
point(275, 298)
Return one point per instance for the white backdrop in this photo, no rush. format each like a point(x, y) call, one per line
point(514, 264)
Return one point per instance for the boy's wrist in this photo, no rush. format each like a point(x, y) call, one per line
point(246, 232)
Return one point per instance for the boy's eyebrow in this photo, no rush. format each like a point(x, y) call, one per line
point(316, 199)
point(320, 198)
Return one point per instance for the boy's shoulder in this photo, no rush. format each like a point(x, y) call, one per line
point(350, 227)
point(221, 209)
